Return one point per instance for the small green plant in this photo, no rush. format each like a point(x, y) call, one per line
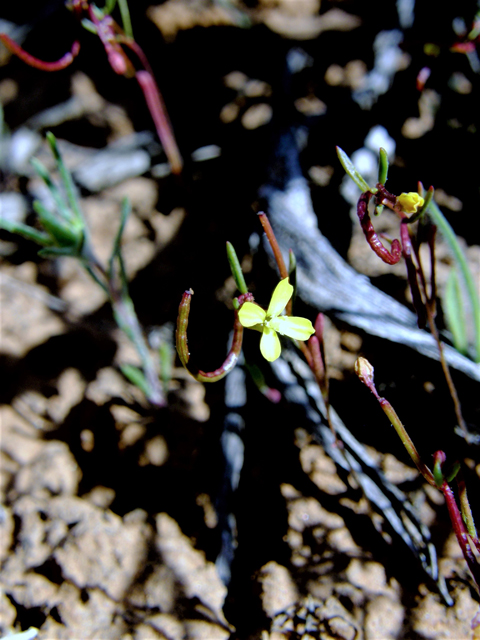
point(461, 518)
point(64, 233)
point(416, 208)
point(277, 319)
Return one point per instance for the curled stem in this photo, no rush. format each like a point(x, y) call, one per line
point(56, 65)
point(390, 257)
point(182, 342)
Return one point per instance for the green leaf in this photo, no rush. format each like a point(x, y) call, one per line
point(165, 354)
point(57, 252)
point(292, 273)
point(117, 247)
point(136, 377)
point(236, 269)
point(349, 167)
point(126, 21)
point(65, 234)
point(455, 312)
point(60, 203)
point(66, 177)
point(26, 232)
point(462, 265)
point(382, 166)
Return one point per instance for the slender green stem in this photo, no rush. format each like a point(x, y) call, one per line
point(364, 371)
point(127, 321)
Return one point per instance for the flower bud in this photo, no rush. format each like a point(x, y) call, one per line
point(410, 202)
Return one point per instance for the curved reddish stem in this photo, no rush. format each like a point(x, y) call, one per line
point(390, 257)
point(57, 65)
point(182, 342)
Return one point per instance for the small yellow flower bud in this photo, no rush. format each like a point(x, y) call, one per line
point(410, 202)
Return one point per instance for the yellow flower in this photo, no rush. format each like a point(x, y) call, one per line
point(410, 202)
point(271, 322)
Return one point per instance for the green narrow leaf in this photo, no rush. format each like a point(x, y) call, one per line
point(292, 273)
point(56, 252)
point(60, 203)
point(236, 269)
point(136, 377)
point(382, 166)
point(126, 21)
point(166, 355)
point(65, 175)
point(109, 6)
point(462, 265)
point(65, 234)
point(455, 312)
point(26, 232)
point(117, 246)
point(382, 174)
point(349, 167)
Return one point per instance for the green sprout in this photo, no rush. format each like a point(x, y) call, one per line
point(64, 233)
point(271, 322)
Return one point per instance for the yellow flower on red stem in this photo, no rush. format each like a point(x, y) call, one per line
point(410, 202)
point(271, 322)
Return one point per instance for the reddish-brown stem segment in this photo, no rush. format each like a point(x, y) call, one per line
point(461, 533)
point(158, 112)
point(267, 227)
point(390, 257)
point(182, 342)
point(412, 274)
point(57, 65)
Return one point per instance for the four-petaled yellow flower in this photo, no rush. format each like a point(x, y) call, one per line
point(271, 322)
point(410, 202)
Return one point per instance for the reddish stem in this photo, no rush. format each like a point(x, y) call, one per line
point(158, 111)
point(461, 533)
point(412, 275)
point(371, 235)
point(267, 227)
point(182, 342)
point(106, 31)
point(57, 65)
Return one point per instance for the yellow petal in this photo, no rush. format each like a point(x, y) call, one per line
point(251, 314)
point(280, 297)
point(293, 327)
point(270, 345)
point(410, 202)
